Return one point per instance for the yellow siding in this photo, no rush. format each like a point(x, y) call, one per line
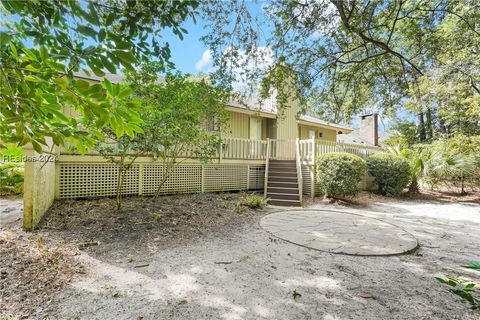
point(326, 134)
point(238, 125)
point(287, 128)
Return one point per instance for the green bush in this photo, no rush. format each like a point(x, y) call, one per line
point(252, 201)
point(339, 174)
point(11, 153)
point(391, 172)
point(11, 178)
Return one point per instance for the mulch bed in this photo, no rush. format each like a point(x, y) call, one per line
point(143, 224)
point(32, 270)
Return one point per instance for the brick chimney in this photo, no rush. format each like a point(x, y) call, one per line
point(369, 128)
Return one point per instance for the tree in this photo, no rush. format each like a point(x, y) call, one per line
point(385, 46)
point(121, 151)
point(42, 45)
point(183, 117)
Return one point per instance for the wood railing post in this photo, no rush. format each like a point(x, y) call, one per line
point(267, 158)
point(299, 169)
point(313, 150)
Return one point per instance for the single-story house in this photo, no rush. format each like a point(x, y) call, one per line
point(259, 152)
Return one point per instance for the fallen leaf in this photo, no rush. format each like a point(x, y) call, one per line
point(366, 295)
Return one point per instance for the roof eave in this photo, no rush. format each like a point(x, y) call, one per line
point(251, 112)
point(325, 126)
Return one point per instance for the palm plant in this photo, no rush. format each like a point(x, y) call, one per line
point(443, 166)
point(416, 160)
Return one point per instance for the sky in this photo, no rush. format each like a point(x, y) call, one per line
point(191, 55)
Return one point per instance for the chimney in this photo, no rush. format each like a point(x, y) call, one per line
point(369, 128)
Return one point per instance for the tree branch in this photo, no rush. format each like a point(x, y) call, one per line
point(339, 4)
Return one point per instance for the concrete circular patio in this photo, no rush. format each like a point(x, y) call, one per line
point(339, 232)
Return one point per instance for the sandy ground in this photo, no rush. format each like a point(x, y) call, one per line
point(248, 274)
point(11, 209)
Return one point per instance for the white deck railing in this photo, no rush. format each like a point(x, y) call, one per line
point(249, 149)
point(239, 148)
point(309, 149)
point(282, 149)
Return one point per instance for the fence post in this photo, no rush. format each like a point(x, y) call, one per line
point(248, 177)
point(265, 185)
point(313, 150)
point(312, 177)
point(140, 179)
point(220, 152)
point(203, 178)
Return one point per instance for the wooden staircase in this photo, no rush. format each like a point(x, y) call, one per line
point(282, 183)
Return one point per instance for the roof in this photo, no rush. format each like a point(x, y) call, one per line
point(353, 138)
point(320, 122)
point(265, 107)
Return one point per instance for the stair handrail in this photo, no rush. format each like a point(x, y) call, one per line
point(267, 161)
point(299, 169)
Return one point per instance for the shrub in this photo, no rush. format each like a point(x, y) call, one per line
point(339, 174)
point(391, 172)
point(11, 178)
point(252, 201)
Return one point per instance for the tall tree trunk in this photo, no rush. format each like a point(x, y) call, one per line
point(421, 127)
point(429, 125)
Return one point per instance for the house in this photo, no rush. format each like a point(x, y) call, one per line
point(259, 151)
point(367, 134)
point(254, 119)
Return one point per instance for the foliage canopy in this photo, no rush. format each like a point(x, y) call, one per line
point(42, 45)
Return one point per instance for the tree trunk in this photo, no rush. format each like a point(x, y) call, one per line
point(414, 188)
point(429, 125)
point(120, 176)
point(421, 127)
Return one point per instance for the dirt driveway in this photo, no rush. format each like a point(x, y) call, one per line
point(247, 274)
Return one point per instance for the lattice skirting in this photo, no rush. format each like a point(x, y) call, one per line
point(83, 180)
point(308, 177)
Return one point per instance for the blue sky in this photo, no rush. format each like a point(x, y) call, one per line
point(187, 54)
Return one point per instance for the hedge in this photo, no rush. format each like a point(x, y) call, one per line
point(339, 174)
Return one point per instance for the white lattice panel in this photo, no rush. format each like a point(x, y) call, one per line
point(225, 177)
point(183, 179)
point(307, 180)
point(81, 180)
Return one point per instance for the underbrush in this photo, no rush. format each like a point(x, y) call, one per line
point(11, 178)
point(464, 288)
point(250, 200)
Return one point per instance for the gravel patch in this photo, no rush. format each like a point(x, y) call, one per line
point(233, 269)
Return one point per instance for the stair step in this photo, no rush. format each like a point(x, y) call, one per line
point(283, 196)
point(282, 161)
point(281, 173)
point(276, 184)
point(282, 179)
point(282, 168)
point(283, 190)
point(290, 203)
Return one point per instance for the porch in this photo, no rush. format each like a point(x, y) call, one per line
point(239, 164)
